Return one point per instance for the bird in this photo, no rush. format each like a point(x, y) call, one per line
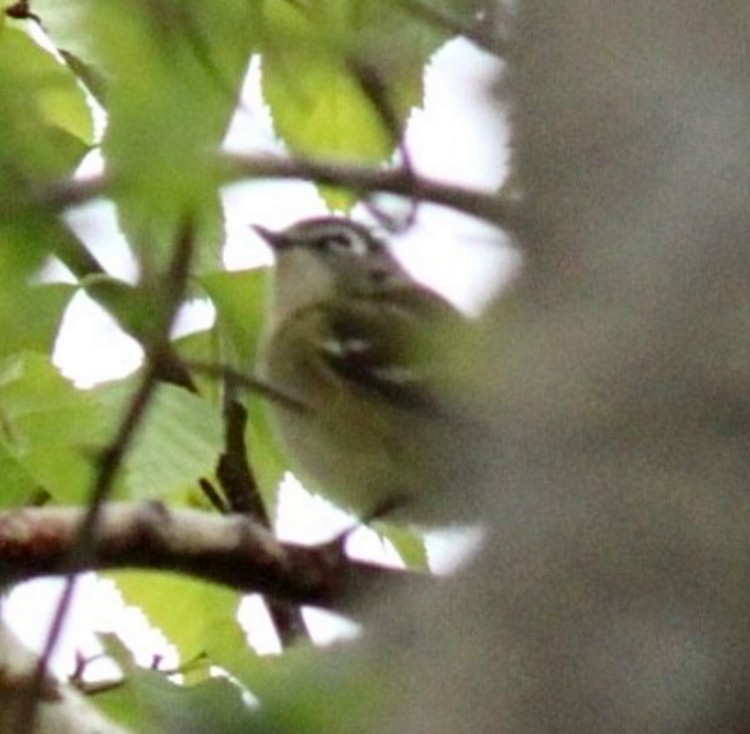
point(370, 361)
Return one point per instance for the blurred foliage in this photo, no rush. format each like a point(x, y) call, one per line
point(265, 695)
point(38, 409)
point(149, 702)
point(152, 86)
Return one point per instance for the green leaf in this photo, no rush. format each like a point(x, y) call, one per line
point(88, 75)
point(179, 441)
point(267, 457)
point(316, 101)
point(131, 306)
point(409, 544)
point(202, 346)
point(149, 703)
point(50, 89)
point(197, 617)
point(46, 129)
point(42, 306)
point(18, 486)
point(341, 77)
point(52, 429)
point(328, 691)
point(240, 299)
point(166, 125)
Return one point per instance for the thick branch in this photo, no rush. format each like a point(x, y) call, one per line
point(232, 551)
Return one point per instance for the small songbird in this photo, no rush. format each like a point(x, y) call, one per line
point(371, 361)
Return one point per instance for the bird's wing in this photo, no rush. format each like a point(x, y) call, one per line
point(391, 350)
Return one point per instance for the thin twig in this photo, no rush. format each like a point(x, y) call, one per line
point(253, 384)
point(375, 89)
point(75, 256)
point(110, 461)
point(86, 268)
point(21, 10)
point(364, 179)
point(233, 471)
point(212, 494)
point(243, 495)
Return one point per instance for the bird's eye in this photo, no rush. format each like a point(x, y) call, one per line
point(329, 242)
point(342, 243)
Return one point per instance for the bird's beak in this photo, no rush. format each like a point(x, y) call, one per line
point(275, 240)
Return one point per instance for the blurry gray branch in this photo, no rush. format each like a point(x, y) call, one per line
point(230, 550)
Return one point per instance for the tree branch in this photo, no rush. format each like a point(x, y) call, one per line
point(362, 179)
point(240, 488)
point(232, 550)
point(366, 179)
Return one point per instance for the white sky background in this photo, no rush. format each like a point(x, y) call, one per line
point(456, 138)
